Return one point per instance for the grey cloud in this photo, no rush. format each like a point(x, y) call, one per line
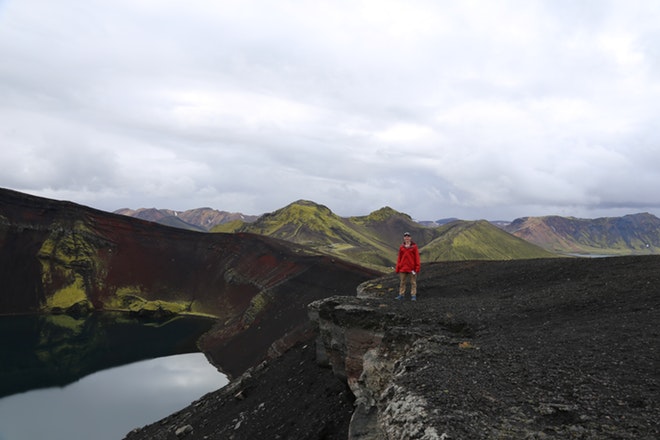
point(438, 109)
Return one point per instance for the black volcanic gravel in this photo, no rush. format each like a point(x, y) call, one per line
point(290, 397)
point(552, 349)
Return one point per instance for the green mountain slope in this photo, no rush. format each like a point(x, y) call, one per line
point(229, 227)
point(627, 235)
point(373, 240)
point(302, 222)
point(478, 240)
point(316, 226)
point(388, 225)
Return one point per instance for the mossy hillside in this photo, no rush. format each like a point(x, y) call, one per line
point(387, 225)
point(70, 245)
point(378, 216)
point(613, 243)
point(302, 222)
point(379, 260)
point(72, 268)
point(128, 298)
point(171, 307)
point(125, 298)
point(68, 296)
point(318, 228)
point(566, 235)
point(552, 241)
point(627, 234)
point(258, 304)
point(228, 227)
point(70, 264)
point(636, 234)
point(478, 240)
point(373, 241)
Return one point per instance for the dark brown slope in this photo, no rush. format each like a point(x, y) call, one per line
point(548, 348)
point(258, 287)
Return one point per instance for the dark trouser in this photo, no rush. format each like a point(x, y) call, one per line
point(404, 278)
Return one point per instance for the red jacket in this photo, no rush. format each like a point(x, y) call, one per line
point(408, 259)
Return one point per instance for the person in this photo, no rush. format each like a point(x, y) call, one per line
point(408, 266)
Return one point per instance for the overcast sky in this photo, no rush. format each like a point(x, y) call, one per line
point(469, 109)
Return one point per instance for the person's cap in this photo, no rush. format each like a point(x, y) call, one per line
point(406, 234)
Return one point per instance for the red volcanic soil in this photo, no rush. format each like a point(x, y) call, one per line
point(215, 273)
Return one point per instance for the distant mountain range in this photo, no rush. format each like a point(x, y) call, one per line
point(60, 257)
point(199, 219)
point(636, 234)
point(373, 240)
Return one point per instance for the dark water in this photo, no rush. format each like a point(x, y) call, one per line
point(98, 377)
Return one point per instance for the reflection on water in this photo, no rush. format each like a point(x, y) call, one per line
point(134, 372)
point(55, 350)
point(110, 403)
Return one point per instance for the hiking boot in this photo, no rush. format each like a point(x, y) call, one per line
point(400, 297)
point(413, 298)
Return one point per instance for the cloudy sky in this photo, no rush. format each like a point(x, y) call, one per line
point(469, 109)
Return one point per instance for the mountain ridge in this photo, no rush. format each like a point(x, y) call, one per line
point(198, 219)
point(632, 234)
point(478, 240)
point(373, 240)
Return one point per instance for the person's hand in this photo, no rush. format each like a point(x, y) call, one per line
point(414, 273)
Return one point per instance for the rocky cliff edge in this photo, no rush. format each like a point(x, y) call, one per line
point(536, 349)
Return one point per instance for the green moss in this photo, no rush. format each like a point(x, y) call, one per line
point(70, 255)
point(128, 298)
point(69, 245)
point(68, 295)
point(174, 307)
point(197, 308)
point(125, 298)
point(258, 304)
point(129, 291)
point(232, 226)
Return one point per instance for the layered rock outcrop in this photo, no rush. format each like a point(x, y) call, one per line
point(544, 349)
point(366, 344)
